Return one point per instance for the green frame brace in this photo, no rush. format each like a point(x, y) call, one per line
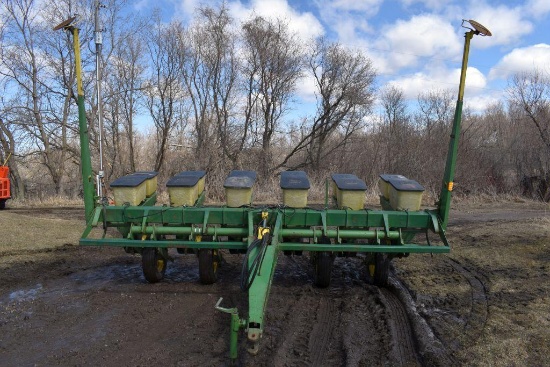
point(157, 223)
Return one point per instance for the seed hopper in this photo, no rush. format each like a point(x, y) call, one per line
point(262, 233)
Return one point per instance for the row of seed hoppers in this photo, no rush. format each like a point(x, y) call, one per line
point(339, 227)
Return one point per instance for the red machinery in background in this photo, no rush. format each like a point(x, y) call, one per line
point(4, 184)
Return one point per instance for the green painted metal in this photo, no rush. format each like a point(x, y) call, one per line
point(339, 234)
point(326, 193)
point(346, 247)
point(86, 162)
point(238, 217)
point(200, 199)
point(450, 167)
point(151, 200)
point(158, 222)
point(258, 293)
point(215, 221)
point(210, 231)
point(117, 242)
point(290, 246)
point(236, 324)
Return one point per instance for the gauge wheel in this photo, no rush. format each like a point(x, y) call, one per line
point(153, 264)
point(322, 269)
point(209, 260)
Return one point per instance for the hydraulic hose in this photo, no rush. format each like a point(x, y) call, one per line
point(248, 273)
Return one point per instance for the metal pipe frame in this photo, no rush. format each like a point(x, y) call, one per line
point(237, 226)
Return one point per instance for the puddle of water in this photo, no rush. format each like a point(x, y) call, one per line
point(177, 273)
point(22, 295)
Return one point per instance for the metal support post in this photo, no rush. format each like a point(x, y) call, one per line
point(448, 177)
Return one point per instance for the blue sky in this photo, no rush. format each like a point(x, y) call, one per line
point(414, 44)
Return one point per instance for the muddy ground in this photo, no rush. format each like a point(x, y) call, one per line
point(487, 303)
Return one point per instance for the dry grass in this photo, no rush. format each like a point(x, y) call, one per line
point(511, 258)
point(20, 233)
point(48, 202)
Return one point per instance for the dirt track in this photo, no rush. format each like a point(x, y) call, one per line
point(487, 303)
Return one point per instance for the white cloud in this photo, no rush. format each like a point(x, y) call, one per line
point(523, 59)
point(506, 24)
point(476, 96)
point(305, 24)
point(365, 7)
point(429, 4)
point(437, 79)
point(538, 8)
point(306, 88)
point(140, 5)
point(480, 102)
point(475, 81)
point(348, 18)
point(185, 9)
point(421, 36)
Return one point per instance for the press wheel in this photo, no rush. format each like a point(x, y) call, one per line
point(322, 270)
point(209, 261)
point(153, 264)
point(379, 270)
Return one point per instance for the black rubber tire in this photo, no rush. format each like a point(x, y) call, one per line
point(381, 270)
point(209, 261)
point(322, 269)
point(3, 204)
point(153, 264)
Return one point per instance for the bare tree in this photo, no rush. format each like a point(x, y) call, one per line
point(219, 54)
point(272, 66)
point(123, 92)
point(210, 74)
point(43, 108)
point(435, 109)
point(433, 121)
point(344, 83)
point(531, 93)
point(164, 93)
point(529, 98)
point(394, 106)
point(396, 130)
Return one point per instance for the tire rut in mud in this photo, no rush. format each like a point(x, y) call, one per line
point(321, 332)
point(429, 349)
point(453, 315)
point(305, 332)
point(479, 310)
point(403, 347)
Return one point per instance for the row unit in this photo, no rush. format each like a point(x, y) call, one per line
point(185, 188)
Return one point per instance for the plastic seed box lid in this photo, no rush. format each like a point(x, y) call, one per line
point(148, 174)
point(294, 180)
point(183, 181)
point(348, 182)
point(240, 180)
point(198, 174)
point(406, 185)
point(338, 176)
point(387, 177)
point(131, 180)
